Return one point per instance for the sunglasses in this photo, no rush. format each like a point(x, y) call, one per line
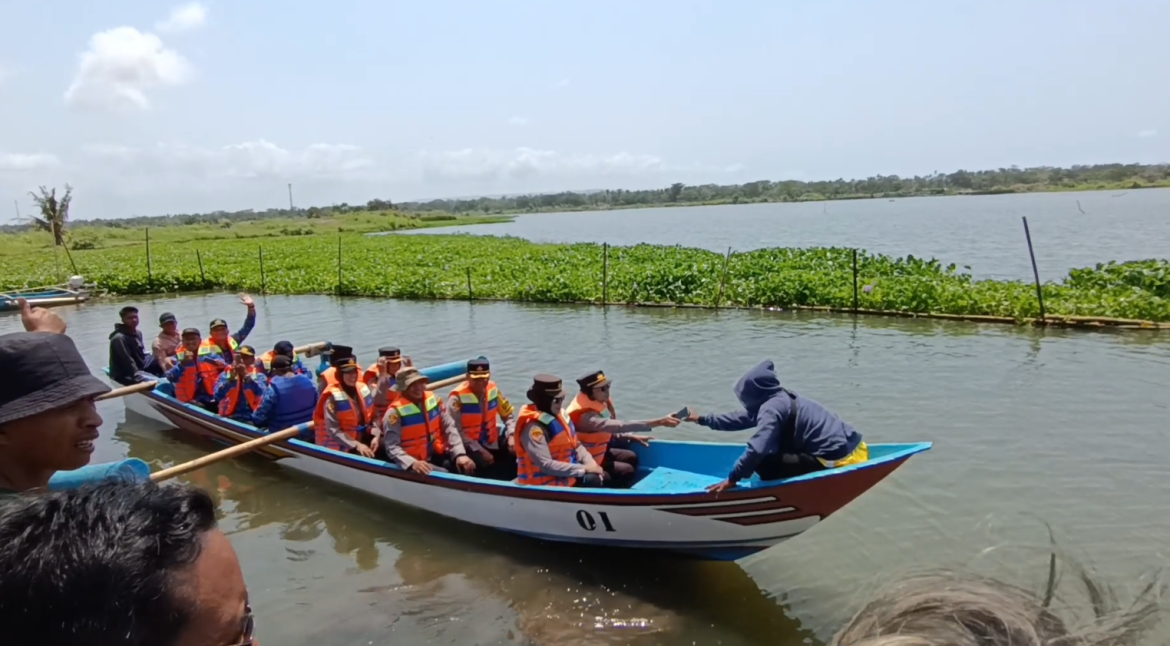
point(248, 635)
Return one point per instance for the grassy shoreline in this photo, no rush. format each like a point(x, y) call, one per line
point(441, 266)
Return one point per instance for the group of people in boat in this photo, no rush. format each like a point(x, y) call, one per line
point(386, 411)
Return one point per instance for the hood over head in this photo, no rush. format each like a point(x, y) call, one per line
point(757, 386)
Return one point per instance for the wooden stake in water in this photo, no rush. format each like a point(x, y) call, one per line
point(605, 273)
point(149, 271)
point(470, 294)
point(723, 279)
point(202, 276)
point(1035, 271)
point(339, 264)
point(263, 277)
point(854, 281)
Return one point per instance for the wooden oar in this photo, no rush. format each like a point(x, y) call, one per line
point(239, 449)
point(306, 350)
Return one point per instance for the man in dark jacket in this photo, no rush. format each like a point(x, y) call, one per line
point(129, 363)
point(795, 435)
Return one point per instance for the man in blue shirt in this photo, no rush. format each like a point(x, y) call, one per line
point(289, 399)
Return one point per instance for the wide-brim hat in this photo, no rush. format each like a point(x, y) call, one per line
point(42, 371)
point(406, 377)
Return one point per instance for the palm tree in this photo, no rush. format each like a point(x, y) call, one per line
point(54, 216)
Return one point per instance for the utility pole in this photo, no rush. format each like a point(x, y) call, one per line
point(16, 204)
point(290, 202)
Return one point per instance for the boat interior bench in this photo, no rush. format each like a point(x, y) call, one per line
point(668, 480)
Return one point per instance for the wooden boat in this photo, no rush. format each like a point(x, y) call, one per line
point(74, 292)
point(667, 509)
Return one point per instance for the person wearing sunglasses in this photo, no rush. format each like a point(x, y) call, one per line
point(120, 563)
point(608, 439)
point(548, 452)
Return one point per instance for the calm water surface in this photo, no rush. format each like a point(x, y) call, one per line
point(982, 231)
point(1029, 425)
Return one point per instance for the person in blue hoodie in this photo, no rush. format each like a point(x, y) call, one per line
point(795, 435)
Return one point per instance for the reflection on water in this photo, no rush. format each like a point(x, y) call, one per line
point(1062, 425)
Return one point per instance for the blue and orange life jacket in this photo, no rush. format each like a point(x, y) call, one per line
point(562, 446)
point(353, 415)
point(422, 428)
point(481, 422)
point(196, 382)
point(243, 398)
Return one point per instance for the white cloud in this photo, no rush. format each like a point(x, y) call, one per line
point(17, 162)
point(517, 121)
point(120, 65)
point(1147, 133)
point(524, 163)
point(251, 159)
point(184, 18)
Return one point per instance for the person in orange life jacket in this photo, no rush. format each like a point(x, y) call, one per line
point(336, 353)
point(48, 419)
point(196, 372)
point(288, 400)
point(264, 361)
point(477, 406)
point(240, 389)
point(547, 451)
point(129, 363)
point(226, 343)
point(795, 435)
point(419, 433)
point(347, 413)
point(607, 438)
point(390, 361)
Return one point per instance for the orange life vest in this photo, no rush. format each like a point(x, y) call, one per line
point(353, 421)
point(330, 376)
point(422, 430)
point(265, 361)
point(204, 374)
point(480, 422)
point(209, 346)
point(562, 446)
point(596, 443)
point(252, 396)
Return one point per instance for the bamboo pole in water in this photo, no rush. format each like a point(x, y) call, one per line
point(263, 277)
point(470, 294)
point(149, 269)
point(339, 263)
point(854, 281)
point(202, 276)
point(1035, 270)
point(605, 273)
point(723, 279)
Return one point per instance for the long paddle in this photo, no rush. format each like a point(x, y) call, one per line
point(307, 350)
point(251, 445)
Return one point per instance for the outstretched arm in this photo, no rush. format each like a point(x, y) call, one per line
point(738, 420)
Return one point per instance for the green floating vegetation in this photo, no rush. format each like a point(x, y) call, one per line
point(436, 267)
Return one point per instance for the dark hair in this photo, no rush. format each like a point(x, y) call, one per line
point(191, 331)
point(96, 566)
point(129, 309)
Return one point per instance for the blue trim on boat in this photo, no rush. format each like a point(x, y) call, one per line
point(709, 550)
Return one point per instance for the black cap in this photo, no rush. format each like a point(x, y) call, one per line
point(546, 385)
point(478, 369)
point(345, 364)
point(246, 350)
point(217, 323)
point(42, 371)
point(190, 331)
point(129, 309)
point(592, 380)
point(340, 352)
point(390, 352)
point(283, 347)
point(281, 362)
point(167, 317)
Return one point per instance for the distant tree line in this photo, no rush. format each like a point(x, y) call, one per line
point(960, 182)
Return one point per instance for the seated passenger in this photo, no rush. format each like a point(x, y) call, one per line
point(288, 400)
point(548, 452)
point(240, 388)
point(285, 348)
point(795, 435)
point(476, 406)
point(342, 417)
point(329, 376)
point(419, 433)
point(225, 342)
point(381, 378)
point(603, 436)
point(195, 372)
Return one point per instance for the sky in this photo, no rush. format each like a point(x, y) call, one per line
point(149, 108)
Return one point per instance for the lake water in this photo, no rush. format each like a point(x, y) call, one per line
point(982, 231)
point(1030, 426)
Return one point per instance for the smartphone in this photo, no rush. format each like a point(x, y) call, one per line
point(684, 413)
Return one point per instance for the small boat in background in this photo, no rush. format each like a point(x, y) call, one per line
point(74, 292)
point(668, 508)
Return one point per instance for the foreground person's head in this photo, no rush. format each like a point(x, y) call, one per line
point(952, 609)
point(119, 564)
point(48, 420)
